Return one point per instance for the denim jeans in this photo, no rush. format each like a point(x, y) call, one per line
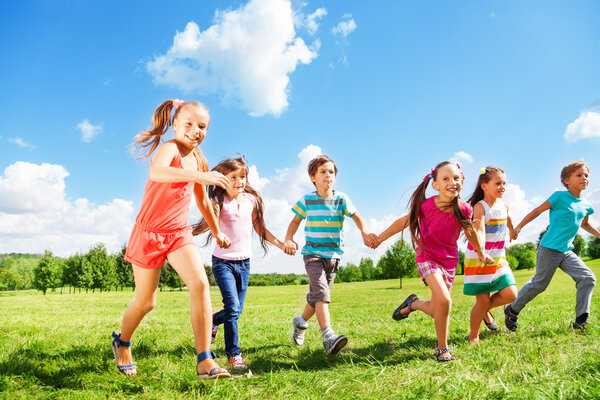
point(232, 278)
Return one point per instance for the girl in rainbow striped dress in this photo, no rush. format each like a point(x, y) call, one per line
point(492, 223)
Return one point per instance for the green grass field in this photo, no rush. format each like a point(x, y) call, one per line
point(57, 346)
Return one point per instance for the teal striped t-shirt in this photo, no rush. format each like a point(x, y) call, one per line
point(324, 223)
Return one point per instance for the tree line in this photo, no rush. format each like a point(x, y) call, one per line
point(99, 270)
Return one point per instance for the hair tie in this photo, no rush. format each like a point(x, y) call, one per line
point(482, 171)
point(458, 165)
point(177, 103)
point(429, 175)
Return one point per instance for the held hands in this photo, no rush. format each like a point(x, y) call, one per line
point(371, 240)
point(290, 247)
point(515, 233)
point(223, 241)
point(212, 178)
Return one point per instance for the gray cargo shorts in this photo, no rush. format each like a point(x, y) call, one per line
point(321, 274)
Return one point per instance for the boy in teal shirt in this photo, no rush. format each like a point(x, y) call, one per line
point(568, 212)
point(324, 211)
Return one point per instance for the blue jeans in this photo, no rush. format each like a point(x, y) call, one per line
point(232, 278)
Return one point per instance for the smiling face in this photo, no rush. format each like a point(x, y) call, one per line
point(237, 183)
point(448, 182)
point(496, 186)
point(190, 126)
point(324, 178)
point(578, 180)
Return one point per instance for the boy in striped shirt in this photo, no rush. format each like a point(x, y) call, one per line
point(324, 211)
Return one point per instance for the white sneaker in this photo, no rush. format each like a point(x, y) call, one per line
point(299, 330)
point(333, 343)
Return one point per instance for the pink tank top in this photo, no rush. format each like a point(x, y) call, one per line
point(236, 222)
point(166, 206)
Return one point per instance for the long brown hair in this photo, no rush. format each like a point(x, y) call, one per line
point(148, 140)
point(417, 199)
point(217, 193)
point(485, 175)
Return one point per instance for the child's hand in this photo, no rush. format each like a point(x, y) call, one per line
point(223, 241)
point(290, 247)
point(515, 233)
point(485, 258)
point(370, 240)
point(213, 178)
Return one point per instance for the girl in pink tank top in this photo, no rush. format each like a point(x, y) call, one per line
point(178, 170)
point(240, 211)
point(435, 225)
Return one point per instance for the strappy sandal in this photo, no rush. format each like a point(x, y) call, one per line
point(116, 343)
point(438, 355)
point(397, 315)
point(492, 326)
point(212, 374)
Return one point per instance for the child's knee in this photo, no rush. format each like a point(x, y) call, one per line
point(146, 305)
point(198, 285)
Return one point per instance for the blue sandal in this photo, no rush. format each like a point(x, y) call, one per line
point(213, 372)
point(116, 343)
point(438, 355)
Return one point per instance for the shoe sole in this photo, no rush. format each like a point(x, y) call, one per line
point(338, 345)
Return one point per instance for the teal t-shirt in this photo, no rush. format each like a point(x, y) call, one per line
point(566, 214)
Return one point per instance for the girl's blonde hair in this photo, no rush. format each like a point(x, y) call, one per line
point(148, 140)
point(416, 201)
point(217, 193)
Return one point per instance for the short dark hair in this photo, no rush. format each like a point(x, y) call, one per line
point(316, 162)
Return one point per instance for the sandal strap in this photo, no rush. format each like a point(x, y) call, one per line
point(410, 302)
point(442, 351)
point(119, 341)
point(206, 354)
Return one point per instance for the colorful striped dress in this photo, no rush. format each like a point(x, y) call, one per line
point(487, 278)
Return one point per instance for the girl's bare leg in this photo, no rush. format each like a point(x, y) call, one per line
point(478, 312)
point(146, 286)
point(504, 296)
point(438, 307)
point(188, 264)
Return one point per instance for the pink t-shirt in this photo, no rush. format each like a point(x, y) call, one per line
point(439, 234)
point(236, 222)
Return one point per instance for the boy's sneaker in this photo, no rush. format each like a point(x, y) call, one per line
point(299, 330)
point(333, 343)
point(579, 325)
point(215, 330)
point(510, 318)
point(237, 364)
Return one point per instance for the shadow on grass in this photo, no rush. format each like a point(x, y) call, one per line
point(387, 353)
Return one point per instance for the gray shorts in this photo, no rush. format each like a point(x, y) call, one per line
point(321, 274)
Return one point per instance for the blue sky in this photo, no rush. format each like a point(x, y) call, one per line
point(387, 89)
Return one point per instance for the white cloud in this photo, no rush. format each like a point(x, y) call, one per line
point(587, 126)
point(461, 156)
point(345, 27)
point(246, 56)
point(519, 207)
point(36, 215)
point(88, 130)
point(21, 143)
point(312, 21)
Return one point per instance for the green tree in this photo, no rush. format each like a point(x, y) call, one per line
point(169, 277)
point(124, 270)
point(398, 261)
point(104, 270)
point(593, 247)
point(460, 270)
point(9, 279)
point(349, 273)
point(367, 269)
point(46, 274)
point(579, 244)
point(524, 253)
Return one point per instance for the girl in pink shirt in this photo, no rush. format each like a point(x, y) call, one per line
point(435, 225)
point(239, 209)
